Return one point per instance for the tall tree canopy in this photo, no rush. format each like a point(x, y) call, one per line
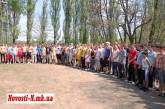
point(55, 16)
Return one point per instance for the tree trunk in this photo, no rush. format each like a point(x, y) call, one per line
point(153, 25)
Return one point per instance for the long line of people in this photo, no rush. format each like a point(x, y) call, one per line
point(141, 65)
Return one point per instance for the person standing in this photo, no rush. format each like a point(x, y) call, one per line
point(34, 55)
point(159, 70)
point(97, 58)
point(102, 62)
point(19, 55)
point(145, 65)
point(3, 53)
point(39, 54)
point(107, 55)
point(54, 58)
point(43, 55)
point(14, 54)
point(9, 54)
point(58, 54)
point(24, 54)
point(48, 51)
point(122, 62)
point(152, 57)
point(132, 64)
point(115, 62)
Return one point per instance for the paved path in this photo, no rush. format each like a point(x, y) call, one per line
point(73, 89)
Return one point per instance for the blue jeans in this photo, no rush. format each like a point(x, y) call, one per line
point(39, 60)
point(116, 69)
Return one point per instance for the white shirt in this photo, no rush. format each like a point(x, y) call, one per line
point(145, 64)
point(98, 53)
point(102, 52)
point(34, 52)
point(58, 50)
point(115, 55)
point(15, 50)
point(87, 58)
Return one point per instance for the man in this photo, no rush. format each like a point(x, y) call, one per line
point(139, 69)
point(19, 54)
point(34, 54)
point(102, 60)
point(14, 54)
point(159, 69)
point(9, 54)
point(3, 53)
point(132, 64)
point(107, 55)
point(98, 55)
point(29, 54)
point(122, 61)
point(145, 65)
point(115, 61)
point(58, 53)
point(24, 54)
point(152, 58)
point(48, 51)
point(54, 58)
point(43, 54)
point(39, 54)
point(0, 53)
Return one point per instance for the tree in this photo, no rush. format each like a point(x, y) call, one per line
point(67, 6)
point(83, 21)
point(30, 7)
point(76, 11)
point(15, 12)
point(43, 22)
point(55, 10)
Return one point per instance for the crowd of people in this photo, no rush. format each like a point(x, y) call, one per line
point(141, 65)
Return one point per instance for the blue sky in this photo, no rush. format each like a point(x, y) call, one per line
point(36, 23)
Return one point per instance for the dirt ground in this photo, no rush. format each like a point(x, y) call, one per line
point(73, 89)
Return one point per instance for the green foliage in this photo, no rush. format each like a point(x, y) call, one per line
point(30, 7)
point(16, 10)
point(54, 13)
point(67, 5)
point(43, 22)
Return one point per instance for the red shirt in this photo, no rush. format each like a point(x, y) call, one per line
point(133, 54)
